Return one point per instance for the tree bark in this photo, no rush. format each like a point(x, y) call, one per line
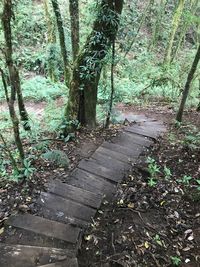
point(74, 17)
point(157, 25)
point(51, 39)
point(86, 73)
point(63, 48)
point(15, 122)
point(13, 72)
point(174, 27)
point(187, 85)
point(112, 87)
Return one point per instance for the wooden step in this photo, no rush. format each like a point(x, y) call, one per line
point(45, 227)
point(116, 155)
point(65, 208)
point(152, 132)
point(110, 162)
point(75, 193)
point(31, 256)
point(91, 182)
point(69, 263)
point(129, 140)
point(93, 167)
point(128, 152)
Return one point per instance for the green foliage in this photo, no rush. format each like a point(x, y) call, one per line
point(58, 157)
point(176, 261)
point(42, 89)
point(185, 180)
point(153, 170)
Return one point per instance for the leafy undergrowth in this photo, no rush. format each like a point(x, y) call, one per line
point(155, 218)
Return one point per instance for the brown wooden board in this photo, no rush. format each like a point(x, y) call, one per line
point(91, 182)
point(116, 155)
point(110, 162)
point(93, 166)
point(130, 153)
point(67, 263)
point(74, 193)
point(65, 208)
point(130, 139)
point(145, 131)
point(29, 256)
point(45, 227)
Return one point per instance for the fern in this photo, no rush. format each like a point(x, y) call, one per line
point(58, 157)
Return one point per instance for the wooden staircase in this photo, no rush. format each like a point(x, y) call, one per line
point(52, 238)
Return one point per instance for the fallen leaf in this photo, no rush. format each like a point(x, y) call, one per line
point(1, 230)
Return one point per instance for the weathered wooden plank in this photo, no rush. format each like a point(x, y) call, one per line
point(130, 153)
point(67, 263)
point(93, 167)
point(91, 182)
point(140, 130)
point(130, 139)
point(110, 162)
point(66, 208)
point(116, 155)
point(45, 227)
point(74, 193)
point(29, 256)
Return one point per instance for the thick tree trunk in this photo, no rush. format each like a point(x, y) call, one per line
point(174, 27)
point(13, 72)
point(74, 16)
point(86, 74)
point(63, 48)
point(187, 85)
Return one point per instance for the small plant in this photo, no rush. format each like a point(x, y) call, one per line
point(58, 157)
point(27, 170)
point(153, 169)
point(185, 180)
point(176, 261)
point(167, 173)
point(152, 182)
point(198, 182)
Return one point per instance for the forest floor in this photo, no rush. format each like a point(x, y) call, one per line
point(147, 224)
point(153, 224)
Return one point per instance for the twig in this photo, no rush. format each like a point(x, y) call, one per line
point(112, 243)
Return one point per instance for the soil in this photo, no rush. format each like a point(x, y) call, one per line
point(153, 225)
point(21, 195)
point(144, 225)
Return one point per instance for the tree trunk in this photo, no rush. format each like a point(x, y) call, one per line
point(192, 9)
point(63, 48)
point(74, 16)
point(86, 74)
point(142, 20)
point(13, 72)
point(187, 85)
point(174, 27)
point(157, 25)
point(51, 39)
point(15, 122)
point(112, 86)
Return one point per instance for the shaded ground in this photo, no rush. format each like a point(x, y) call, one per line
point(147, 224)
point(22, 195)
point(155, 218)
